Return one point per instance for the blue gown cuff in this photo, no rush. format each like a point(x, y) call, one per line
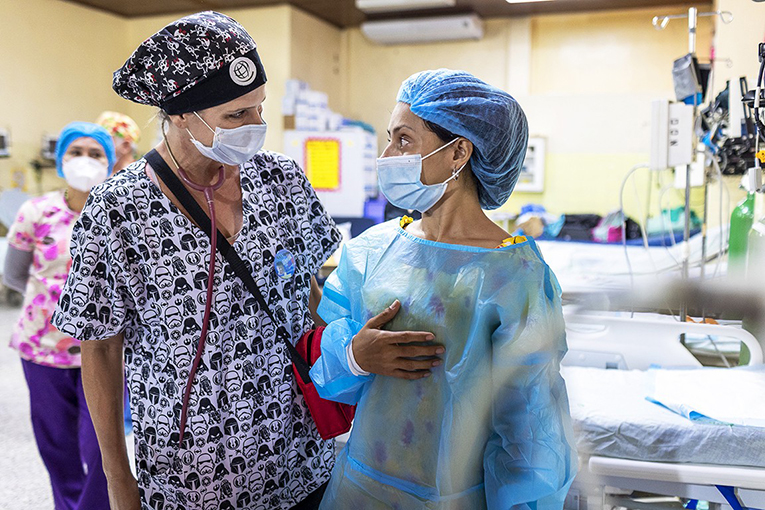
point(331, 374)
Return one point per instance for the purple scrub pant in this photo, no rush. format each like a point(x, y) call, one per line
point(65, 437)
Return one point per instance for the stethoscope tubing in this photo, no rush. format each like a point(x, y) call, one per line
point(209, 192)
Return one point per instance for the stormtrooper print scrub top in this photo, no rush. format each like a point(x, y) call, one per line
point(140, 267)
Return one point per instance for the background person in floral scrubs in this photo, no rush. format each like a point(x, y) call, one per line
point(37, 265)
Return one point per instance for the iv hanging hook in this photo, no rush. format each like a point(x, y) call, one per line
point(661, 22)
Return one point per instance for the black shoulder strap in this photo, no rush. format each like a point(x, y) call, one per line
point(201, 218)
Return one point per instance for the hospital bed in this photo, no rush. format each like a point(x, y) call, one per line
point(628, 444)
point(585, 267)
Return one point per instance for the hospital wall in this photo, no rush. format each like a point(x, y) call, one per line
point(318, 57)
point(736, 43)
point(66, 74)
point(586, 82)
point(55, 67)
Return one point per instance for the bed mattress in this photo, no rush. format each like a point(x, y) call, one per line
point(612, 418)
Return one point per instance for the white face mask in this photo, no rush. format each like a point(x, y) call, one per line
point(232, 146)
point(400, 179)
point(83, 172)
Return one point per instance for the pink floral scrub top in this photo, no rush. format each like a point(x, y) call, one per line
point(44, 226)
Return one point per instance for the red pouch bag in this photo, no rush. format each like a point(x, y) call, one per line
point(332, 418)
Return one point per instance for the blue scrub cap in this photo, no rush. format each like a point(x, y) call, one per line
point(75, 130)
point(487, 116)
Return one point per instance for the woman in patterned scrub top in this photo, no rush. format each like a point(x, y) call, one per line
point(37, 264)
point(139, 282)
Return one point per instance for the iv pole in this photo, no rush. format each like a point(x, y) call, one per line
point(660, 23)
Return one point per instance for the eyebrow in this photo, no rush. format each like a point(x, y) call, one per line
point(247, 107)
point(400, 127)
point(235, 110)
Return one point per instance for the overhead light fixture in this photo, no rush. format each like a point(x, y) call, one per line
point(401, 5)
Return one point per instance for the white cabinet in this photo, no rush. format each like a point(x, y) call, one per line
point(340, 166)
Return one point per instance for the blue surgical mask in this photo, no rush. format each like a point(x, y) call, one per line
point(400, 179)
point(232, 146)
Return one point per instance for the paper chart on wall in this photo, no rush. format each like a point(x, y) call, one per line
point(322, 163)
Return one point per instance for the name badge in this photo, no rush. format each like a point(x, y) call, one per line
point(284, 263)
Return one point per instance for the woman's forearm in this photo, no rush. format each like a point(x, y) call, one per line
point(103, 383)
point(16, 270)
point(313, 302)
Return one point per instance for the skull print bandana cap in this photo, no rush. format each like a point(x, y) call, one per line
point(197, 62)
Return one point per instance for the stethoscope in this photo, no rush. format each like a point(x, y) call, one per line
point(209, 197)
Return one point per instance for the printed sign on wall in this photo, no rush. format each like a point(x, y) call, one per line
point(322, 163)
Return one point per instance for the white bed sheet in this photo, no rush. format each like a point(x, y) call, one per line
point(612, 418)
point(714, 395)
point(584, 267)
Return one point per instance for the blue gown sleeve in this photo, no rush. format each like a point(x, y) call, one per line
point(530, 461)
point(331, 374)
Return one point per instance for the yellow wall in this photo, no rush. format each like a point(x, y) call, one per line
point(65, 75)
point(593, 77)
point(610, 53)
point(317, 56)
point(586, 82)
point(738, 41)
point(376, 72)
point(53, 71)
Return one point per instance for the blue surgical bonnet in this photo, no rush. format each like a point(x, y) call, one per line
point(75, 130)
point(487, 116)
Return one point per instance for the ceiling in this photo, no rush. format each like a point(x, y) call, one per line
point(343, 13)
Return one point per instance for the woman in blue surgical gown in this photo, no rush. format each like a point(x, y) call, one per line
point(460, 401)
